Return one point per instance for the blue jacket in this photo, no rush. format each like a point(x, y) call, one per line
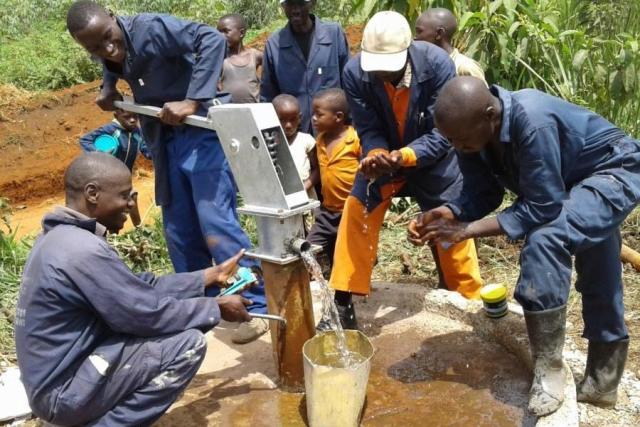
point(76, 292)
point(129, 142)
point(550, 146)
point(436, 175)
point(284, 69)
point(168, 59)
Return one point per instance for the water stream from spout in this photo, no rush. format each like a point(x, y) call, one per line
point(330, 312)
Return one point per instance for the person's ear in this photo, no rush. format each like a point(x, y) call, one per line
point(92, 193)
point(243, 32)
point(440, 33)
point(490, 113)
point(340, 116)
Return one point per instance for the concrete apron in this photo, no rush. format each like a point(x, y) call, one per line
point(443, 365)
point(510, 332)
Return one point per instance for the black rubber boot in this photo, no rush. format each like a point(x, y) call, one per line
point(346, 310)
point(605, 365)
point(546, 331)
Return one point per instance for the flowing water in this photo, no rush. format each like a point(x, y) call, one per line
point(330, 311)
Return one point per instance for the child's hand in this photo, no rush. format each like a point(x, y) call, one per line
point(174, 113)
point(107, 97)
point(381, 163)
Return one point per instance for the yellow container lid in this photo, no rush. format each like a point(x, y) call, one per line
point(494, 292)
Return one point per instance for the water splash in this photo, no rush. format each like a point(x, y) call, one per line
point(329, 309)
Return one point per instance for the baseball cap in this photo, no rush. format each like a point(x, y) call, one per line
point(385, 41)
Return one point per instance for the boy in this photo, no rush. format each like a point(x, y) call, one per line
point(576, 177)
point(338, 150)
point(123, 140)
point(125, 132)
point(302, 58)
point(175, 65)
point(437, 26)
point(301, 144)
point(240, 68)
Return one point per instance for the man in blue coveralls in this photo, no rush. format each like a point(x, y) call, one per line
point(97, 344)
point(577, 177)
point(304, 57)
point(175, 64)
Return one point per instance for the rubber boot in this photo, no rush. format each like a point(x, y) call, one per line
point(546, 331)
point(346, 310)
point(605, 365)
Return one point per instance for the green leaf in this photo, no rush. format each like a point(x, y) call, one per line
point(616, 84)
point(513, 28)
point(579, 58)
point(494, 5)
point(630, 78)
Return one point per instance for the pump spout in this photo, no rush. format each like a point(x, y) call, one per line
point(299, 246)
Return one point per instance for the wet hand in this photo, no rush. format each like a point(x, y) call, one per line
point(233, 308)
point(382, 163)
point(106, 99)
point(174, 113)
point(219, 274)
point(421, 228)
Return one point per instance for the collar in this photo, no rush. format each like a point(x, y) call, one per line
point(84, 222)
point(505, 99)
point(320, 33)
point(405, 81)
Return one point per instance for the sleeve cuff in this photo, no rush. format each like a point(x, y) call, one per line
point(511, 226)
point(455, 209)
point(409, 158)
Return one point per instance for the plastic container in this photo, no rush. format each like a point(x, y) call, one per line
point(494, 299)
point(106, 144)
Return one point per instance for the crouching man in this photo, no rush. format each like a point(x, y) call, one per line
point(96, 343)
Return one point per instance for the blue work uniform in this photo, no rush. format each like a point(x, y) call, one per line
point(577, 177)
point(97, 343)
point(129, 142)
point(285, 69)
point(168, 59)
point(436, 176)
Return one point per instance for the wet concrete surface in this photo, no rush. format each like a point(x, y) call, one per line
point(427, 371)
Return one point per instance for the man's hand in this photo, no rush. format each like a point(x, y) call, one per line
point(107, 97)
point(432, 225)
point(382, 163)
point(233, 308)
point(174, 113)
point(219, 274)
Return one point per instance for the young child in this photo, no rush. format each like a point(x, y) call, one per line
point(338, 152)
point(121, 137)
point(437, 26)
point(302, 145)
point(240, 68)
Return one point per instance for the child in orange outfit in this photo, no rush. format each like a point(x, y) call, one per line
point(338, 152)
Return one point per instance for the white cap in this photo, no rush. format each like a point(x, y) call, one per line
point(385, 41)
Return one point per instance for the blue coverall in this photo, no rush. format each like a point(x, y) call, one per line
point(168, 59)
point(577, 177)
point(129, 142)
point(285, 70)
point(98, 344)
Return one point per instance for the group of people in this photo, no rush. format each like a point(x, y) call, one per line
point(407, 116)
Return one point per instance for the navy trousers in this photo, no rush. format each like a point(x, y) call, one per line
point(588, 227)
point(201, 221)
point(129, 381)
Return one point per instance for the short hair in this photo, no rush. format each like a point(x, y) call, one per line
point(91, 167)
point(444, 17)
point(285, 99)
point(337, 100)
point(80, 14)
point(235, 17)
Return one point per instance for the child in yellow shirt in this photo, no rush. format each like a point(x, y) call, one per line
point(338, 152)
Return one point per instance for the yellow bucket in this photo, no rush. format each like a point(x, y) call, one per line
point(334, 394)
